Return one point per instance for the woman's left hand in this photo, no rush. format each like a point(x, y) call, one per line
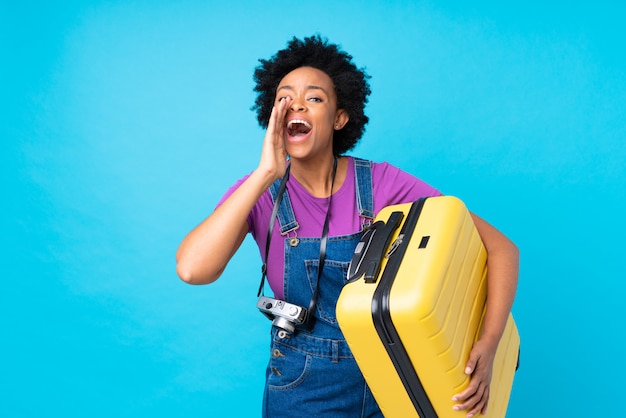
point(479, 367)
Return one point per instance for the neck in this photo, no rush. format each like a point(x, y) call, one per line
point(317, 177)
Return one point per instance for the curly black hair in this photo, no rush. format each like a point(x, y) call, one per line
point(351, 85)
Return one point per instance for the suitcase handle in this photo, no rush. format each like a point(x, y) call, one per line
point(371, 249)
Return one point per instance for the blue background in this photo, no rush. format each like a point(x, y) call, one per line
point(123, 122)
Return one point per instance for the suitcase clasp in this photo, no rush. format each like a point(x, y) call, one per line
point(394, 245)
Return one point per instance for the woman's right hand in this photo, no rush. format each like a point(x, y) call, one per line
point(205, 251)
point(274, 154)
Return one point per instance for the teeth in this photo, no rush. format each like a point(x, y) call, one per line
point(300, 121)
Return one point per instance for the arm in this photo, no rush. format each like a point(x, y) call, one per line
point(502, 273)
point(204, 253)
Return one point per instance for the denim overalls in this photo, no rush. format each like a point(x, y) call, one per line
point(313, 373)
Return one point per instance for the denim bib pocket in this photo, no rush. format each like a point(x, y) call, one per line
point(335, 273)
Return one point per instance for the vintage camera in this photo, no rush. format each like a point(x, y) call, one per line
point(284, 315)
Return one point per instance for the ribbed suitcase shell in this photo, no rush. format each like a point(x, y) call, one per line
point(436, 304)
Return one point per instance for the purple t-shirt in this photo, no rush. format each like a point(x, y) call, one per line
point(390, 186)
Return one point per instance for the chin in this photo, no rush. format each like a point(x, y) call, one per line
point(298, 151)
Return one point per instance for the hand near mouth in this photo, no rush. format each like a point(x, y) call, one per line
point(274, 154)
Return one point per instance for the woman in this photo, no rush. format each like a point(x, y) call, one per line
point(311, 99)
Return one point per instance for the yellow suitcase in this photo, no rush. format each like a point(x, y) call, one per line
point(414, 305)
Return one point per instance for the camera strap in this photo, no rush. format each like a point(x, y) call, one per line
point(323, 240)
point(279, 198)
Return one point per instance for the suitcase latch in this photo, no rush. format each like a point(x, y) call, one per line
point(394, 245)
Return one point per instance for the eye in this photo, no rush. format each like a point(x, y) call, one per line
point(315, 99)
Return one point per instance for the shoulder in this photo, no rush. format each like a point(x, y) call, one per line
point(378, 168)
point(392, 185)
point(384, 173)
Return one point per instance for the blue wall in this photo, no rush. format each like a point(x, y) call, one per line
point(123, 122)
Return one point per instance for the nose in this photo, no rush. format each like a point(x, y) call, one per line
point(296, 105)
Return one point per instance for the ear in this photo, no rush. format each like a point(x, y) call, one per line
point(341, 118)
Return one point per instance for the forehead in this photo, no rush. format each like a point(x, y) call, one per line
point(308, 76)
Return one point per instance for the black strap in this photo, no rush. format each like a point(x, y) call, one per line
point(279, 198)
point(323, 241)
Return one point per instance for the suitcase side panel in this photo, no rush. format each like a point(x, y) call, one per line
point(355, 319)
point(384, 324)
point(354, 315)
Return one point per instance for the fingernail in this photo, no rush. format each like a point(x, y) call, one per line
point(456, 408)
point(468, 370)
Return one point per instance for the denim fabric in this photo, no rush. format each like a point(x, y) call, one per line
point(286, 218)
point(308, 376)
point(312, 373)
point(363, 172)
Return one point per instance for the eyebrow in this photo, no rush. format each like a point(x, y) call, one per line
point(310, 87)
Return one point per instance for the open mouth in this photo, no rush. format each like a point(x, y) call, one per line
point(298, 127)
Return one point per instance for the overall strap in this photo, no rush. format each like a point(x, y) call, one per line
point(286, 217)
point(364, 191)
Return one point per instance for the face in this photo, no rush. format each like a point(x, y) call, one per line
point(312, 116)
